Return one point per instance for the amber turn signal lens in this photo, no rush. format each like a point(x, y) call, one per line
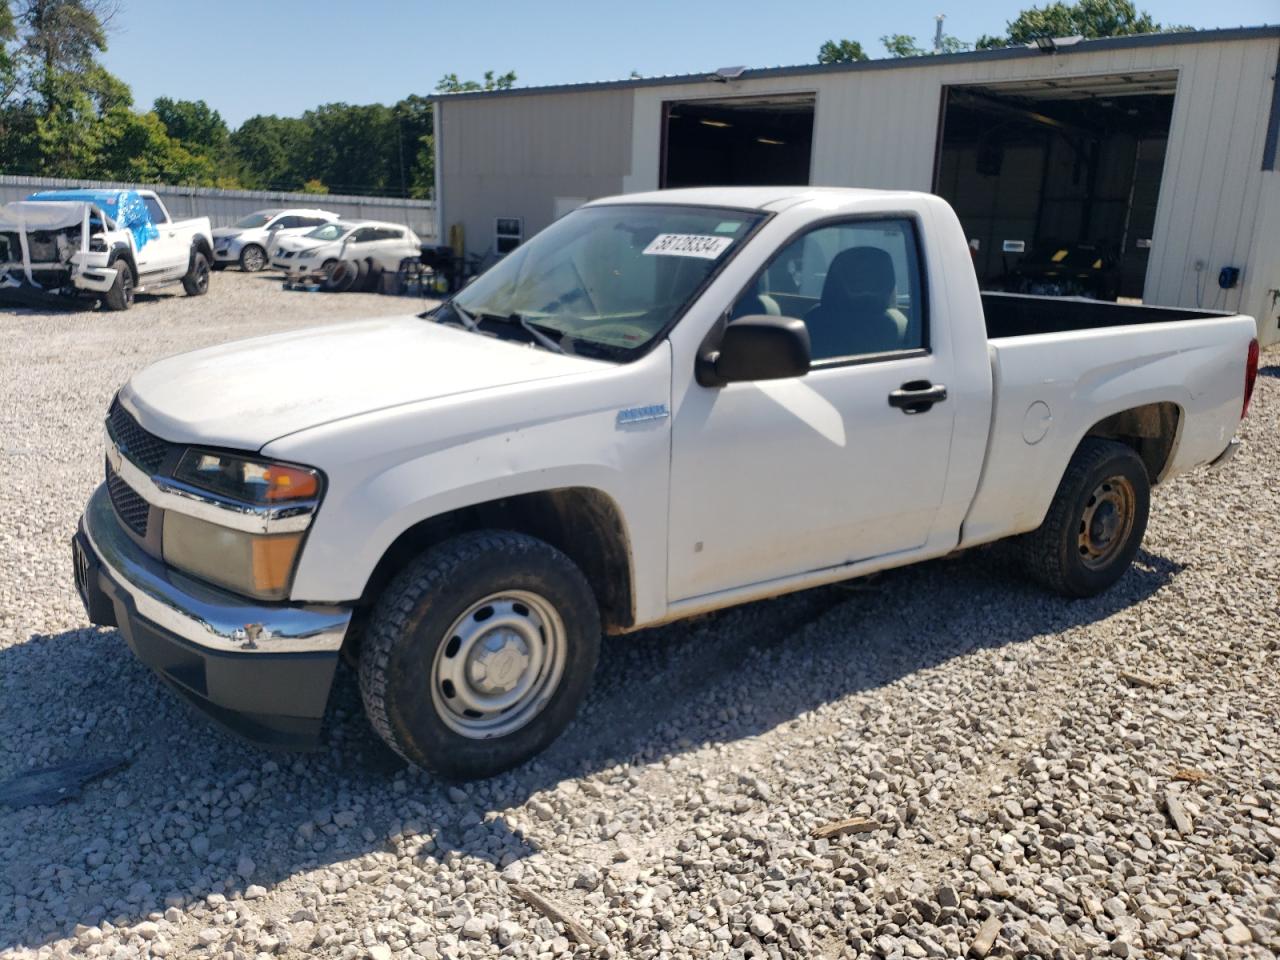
point(273, 562)
point(290, 483)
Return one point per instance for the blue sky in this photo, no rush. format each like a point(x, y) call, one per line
point(245, 58)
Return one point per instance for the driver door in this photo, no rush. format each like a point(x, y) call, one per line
point(778, 478)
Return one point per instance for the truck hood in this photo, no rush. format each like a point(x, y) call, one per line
point(244, 395)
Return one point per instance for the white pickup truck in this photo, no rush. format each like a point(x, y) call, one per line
point(664, 404)
point(103, 243)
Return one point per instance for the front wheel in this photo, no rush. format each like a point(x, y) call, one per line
point(196, 282)
point(1095, 523)
point(253, 258)
point(479, 653)
point(120, 296)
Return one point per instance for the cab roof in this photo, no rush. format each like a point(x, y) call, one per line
point(770, 199)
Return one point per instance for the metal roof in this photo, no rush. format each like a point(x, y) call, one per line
point(890, 63)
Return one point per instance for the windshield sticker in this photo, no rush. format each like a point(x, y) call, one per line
point(729, 226)
point(687, 245)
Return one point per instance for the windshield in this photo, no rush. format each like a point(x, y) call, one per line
point(258, 219)
point(330, 231)
point(611, 276)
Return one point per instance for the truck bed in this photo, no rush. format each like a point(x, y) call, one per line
point(1022, 315)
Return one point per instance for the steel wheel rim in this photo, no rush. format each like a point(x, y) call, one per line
point(202, 275)
point(1106, 522)
point(254, 259)
point(126, 284)
point(498, 664)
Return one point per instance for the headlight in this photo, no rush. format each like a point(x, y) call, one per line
point(253, 563)
point(251, 481)
point(257, 565)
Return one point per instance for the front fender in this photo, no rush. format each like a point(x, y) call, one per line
point(389, 472)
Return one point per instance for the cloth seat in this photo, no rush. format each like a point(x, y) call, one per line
point(857, 313)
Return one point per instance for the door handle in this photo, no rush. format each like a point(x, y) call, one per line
point(917, 396)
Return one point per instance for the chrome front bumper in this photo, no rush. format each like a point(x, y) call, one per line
point(201, 614)
point(263, 671)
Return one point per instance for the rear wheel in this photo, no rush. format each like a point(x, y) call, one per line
point(478, 654)
point(253, 258)
point(196, 282)
point(1095, 523)
point(120, 296)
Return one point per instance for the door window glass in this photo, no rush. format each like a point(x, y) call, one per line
point(156, 210)
point(856, 286)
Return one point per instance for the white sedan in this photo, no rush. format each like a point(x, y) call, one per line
point(250, 241)
point(370, 245)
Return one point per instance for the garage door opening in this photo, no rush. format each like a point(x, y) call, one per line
point(1056, 181)
point(739, 142)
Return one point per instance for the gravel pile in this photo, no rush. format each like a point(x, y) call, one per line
point(938, 762)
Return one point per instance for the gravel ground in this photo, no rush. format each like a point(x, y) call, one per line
point(1023, 776)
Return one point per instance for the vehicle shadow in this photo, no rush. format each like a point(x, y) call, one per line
point(179, 822)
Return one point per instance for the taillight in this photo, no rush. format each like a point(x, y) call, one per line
point(1250, 376)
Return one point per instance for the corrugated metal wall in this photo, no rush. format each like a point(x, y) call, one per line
point(879, 128)
point(224, 207)
point(516, 156)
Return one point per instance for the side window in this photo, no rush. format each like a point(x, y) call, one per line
point(156, 210)
point(855, 285)
point(363, 235)
point(311, 221)
point(288, 223)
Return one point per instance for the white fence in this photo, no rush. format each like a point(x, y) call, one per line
point(224, 207)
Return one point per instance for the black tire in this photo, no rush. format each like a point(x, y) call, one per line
point(340, 277)
point(413, 625)
point(196, 282)
point(362, 276)
point(1105, 489)
point(120, 296)
point(253, 258)
point(372, 275)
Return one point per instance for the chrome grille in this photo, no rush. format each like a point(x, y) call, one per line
point(144, 449)
point(132, 510)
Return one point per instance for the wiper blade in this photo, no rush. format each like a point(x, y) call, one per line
point(468, 321)
point(537, 334)
point(528, 327)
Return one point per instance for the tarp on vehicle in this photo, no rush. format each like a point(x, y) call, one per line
point(30, 215)
point(125, 207)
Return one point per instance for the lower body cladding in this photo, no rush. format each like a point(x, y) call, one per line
point(261, 670)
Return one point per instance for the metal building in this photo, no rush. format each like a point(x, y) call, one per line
point(1150, 160)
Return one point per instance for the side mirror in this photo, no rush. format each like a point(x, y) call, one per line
point(760, 347)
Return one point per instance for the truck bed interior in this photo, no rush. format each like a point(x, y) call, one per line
point(1020, 315)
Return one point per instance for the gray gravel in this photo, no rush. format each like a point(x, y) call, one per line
point(1041, 778)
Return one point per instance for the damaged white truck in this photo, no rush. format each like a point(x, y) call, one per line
point(63, 245)
point(662, 405)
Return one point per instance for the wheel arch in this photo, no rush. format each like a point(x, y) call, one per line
point(122, 251)
point(199, 245)
point(1151, 429)
point(584, 523)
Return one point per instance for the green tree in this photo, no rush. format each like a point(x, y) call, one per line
point(1085, 18)
point(272, 152)
point(841, 51)
point(195, 124)
point(415, 143)
point(137, 147)
point(902, 45)
point(450, 83)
